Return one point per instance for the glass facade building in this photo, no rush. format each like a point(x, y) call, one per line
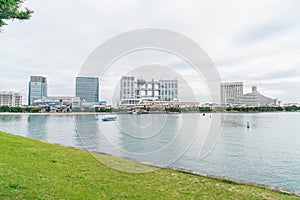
point(87, 88)
point(37, 88)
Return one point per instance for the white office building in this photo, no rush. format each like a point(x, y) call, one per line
point(127, 88)
point(168, 89)
point(252, 99)
point(10, 99)
point(133, 91)
point(230, 90)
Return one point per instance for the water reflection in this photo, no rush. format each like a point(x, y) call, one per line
point(173, 136)
point(8, 123)
point(87, 132)
point(36, 127)
point(162, 132)
point(142, 126)
point(10, 119)
point(60, 129)
point(145, 138)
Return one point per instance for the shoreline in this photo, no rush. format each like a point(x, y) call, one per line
point(216, 177)
point(237, 181)
point(182, 170)
point(46, 170)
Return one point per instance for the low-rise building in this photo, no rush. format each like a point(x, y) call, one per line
point(156, 103)
point(57, 103)
point(252, 99)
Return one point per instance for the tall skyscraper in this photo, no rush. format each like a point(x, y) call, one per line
point(87, 88)
point(230, 90)
point(37, 88)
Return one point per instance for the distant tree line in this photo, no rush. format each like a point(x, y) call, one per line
point(168, 109)
point(255, 109)
point(292, 108)
point(173, 109)
point(19, 109)
point(106, 110)
point(205, 109)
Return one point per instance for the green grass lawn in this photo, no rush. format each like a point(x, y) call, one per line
point(31, 169)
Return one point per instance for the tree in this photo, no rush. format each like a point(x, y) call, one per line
point(11, 9)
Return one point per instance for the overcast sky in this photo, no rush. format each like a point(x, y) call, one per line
point(257, 42)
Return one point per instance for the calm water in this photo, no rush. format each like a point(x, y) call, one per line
point(268, 152)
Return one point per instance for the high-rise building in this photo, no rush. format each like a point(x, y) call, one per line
point(164, 90)
point(168, 89)
point(87, 88)
point(127, 87)
point(10, 99)
point(230, 90)
point(37, 88)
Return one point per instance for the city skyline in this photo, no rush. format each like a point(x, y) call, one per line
point(254, 42)
point(87, 89)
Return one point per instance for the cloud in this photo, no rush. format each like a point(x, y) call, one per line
point(263, 32)
point(252, 41)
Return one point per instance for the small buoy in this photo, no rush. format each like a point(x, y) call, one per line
point(248, 125)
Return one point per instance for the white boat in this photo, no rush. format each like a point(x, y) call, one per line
point(109, 118)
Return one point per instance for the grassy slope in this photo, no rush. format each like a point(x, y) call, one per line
point(30, 169)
